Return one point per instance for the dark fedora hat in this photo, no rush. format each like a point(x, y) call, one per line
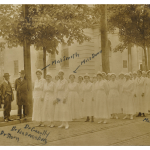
point(22, 72)
point(6, 75)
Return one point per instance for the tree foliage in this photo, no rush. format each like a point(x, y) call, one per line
point(46, 25)
point(133, 22)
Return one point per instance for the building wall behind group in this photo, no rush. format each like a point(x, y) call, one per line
point(117, 59)
point(14, 62)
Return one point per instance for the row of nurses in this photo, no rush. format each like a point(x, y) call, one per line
point(43, 98)
point(103, 99)
point(60, 101)
point(139, 91)
point(119, 104)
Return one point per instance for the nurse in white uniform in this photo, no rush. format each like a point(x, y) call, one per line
point(113, 97)
point(147, 93)
point(139, 94)
point(134, 98)
point(101, 107)
point(38, 102)
point(81, 83)
point(73, 97)
point(121, 81)
point(104, 76)
point(56, 79)
point(93, 85)
point(49, 98)
point(134, 75)
point(88, 100)
point(62, 110)
point(127, 97)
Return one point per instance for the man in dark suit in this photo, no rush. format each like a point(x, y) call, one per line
point(21, 86)
point(7, 96)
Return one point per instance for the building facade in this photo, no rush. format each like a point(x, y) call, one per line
point(89, 56)
point(77, 58)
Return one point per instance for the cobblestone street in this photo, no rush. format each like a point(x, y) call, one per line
point(116, 132)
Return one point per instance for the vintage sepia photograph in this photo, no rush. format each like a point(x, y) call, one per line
point(74, 74)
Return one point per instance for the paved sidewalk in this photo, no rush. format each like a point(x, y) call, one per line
point(116, 132)
point(127, 134)
point(13, 115)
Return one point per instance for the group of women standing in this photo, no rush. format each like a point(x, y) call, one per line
point(103, 98)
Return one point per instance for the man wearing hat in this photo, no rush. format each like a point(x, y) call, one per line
point(7, 96)
point(21, 86)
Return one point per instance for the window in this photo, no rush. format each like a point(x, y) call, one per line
point(65, 56)
point(124, 63)
point(16, 69)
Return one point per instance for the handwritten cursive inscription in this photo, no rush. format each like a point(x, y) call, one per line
point(146, 120)
point(63, 59)
point(87, 59)
point(9, 136)
point(32, 129)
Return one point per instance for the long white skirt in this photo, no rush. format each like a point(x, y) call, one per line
point(49, 107)
point(141, 102)
point(121, 99)
point(81, 105)
point(128, 103)
point(101, 107)
point(134, 103)
point(114, 103)
point(88, 104)
point(38, 105)
point(74, 104)
point(62, 110)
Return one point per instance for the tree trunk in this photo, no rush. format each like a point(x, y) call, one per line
point(104, 40)
point(27, 66)
point(148, 49)
point(144, 46)
point(145, 59)
point(129, 59)
point(44, 61)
